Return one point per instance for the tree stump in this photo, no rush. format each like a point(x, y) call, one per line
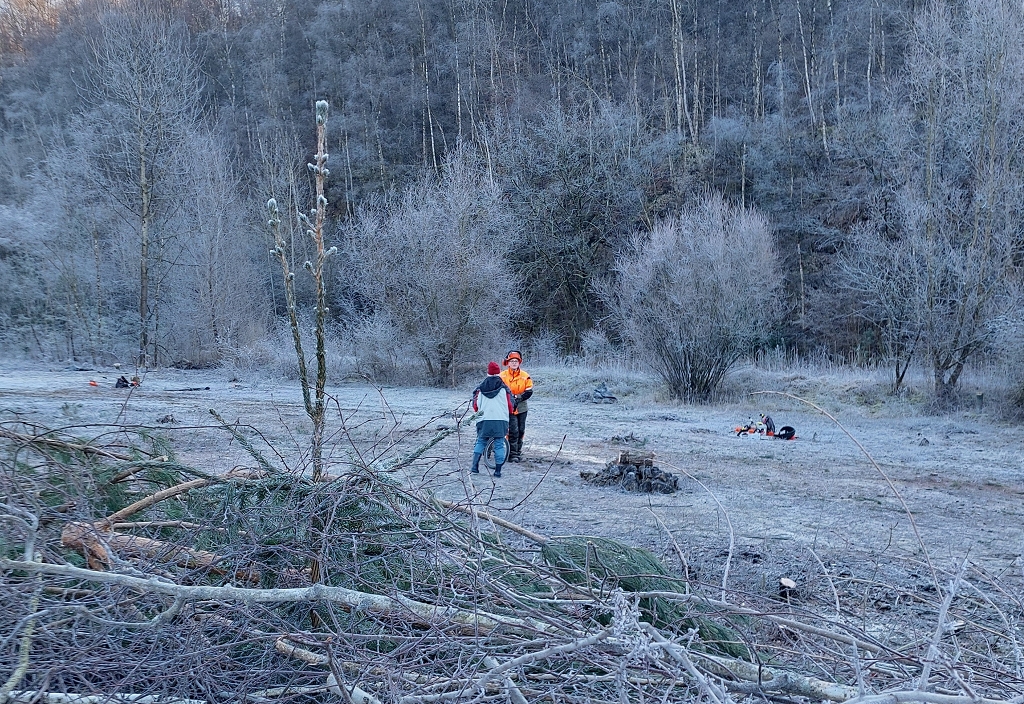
point(634, 471)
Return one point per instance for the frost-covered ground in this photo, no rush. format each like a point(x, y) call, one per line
point(766, 508)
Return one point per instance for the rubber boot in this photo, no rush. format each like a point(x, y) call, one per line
point(476, 463)
point(497, 471)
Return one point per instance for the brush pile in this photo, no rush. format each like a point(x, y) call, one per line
point(127, 576)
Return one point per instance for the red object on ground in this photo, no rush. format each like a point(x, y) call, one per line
point(92, 382)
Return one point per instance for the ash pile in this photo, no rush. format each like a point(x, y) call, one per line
point(634, 472)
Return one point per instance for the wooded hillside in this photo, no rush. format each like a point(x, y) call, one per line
point(539, 148)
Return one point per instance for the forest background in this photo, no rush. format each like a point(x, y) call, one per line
point(673, 184)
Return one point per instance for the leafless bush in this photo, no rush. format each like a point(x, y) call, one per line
point(543, 348)
point(598, 350)
point(696, 294)
point(376, 343)
point(431, 264)
point(1008, 344)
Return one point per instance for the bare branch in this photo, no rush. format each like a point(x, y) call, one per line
point(397, 606)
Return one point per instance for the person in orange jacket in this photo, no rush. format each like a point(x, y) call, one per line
point(521, 386)
point(494, 400)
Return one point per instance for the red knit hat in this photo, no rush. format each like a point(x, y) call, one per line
point(493, 369)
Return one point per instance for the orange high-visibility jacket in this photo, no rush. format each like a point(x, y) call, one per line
point(518, 382)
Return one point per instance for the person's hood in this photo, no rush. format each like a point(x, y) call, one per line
point(491, 386)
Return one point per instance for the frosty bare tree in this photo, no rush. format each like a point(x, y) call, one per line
point(1008, 342)
point(961, 160)
point(431, 264)
point(697, 293)
point(576, 181)
point(885, 274)
point(201, 273)
point(208, 310)
point(25, 283)
point(144, 90)
point(22, 19)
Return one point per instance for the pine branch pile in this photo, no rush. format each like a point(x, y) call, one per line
point(129, 576)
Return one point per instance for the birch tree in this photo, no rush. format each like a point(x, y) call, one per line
point(144, 87)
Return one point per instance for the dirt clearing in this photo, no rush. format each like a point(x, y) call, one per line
point(756, 507)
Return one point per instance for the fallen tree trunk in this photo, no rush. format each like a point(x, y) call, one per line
point(399, 607)
point(96, 540)
point(95, 543)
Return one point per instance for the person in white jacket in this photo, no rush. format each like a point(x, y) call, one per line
point(494, 399)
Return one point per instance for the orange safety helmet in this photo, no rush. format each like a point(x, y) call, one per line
point(514, 354)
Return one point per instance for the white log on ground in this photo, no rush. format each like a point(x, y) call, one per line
point(399, 606)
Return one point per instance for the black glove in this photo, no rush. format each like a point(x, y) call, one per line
point(515, 401)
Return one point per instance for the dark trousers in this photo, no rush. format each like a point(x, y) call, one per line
point(516, 431)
